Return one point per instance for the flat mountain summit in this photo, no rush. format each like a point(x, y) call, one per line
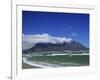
point(43, 47)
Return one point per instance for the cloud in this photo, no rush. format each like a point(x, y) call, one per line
point(74, 35)
point(30, 40)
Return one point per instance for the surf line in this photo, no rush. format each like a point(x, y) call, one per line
point(39, 64)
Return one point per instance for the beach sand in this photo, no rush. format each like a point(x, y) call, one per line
point(27, 66)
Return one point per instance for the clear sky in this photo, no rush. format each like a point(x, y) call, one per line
point(72, 25)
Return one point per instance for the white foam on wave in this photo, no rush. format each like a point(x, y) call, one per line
point(39, 64)
point(68, 54)
point(49, 65)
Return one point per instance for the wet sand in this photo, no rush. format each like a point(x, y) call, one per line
point(27, 66)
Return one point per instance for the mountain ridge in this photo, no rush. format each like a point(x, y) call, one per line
point(43, 47)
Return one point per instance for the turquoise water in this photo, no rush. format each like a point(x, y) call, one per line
point(59, 60)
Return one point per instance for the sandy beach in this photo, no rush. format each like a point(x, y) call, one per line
point(27, 66)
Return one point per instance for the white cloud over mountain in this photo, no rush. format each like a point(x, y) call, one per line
point(30, 40)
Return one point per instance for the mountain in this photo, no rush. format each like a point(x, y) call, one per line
point(43, 47)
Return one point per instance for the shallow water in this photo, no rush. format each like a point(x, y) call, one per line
point(57, 60)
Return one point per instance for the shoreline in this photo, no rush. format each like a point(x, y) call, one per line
point(38, 64)
point(27, 66)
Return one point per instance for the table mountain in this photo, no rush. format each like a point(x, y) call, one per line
point(43, 47)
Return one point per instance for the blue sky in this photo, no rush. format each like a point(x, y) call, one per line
point(73, 25)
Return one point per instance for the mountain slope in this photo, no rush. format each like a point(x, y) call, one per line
point(43, 47)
